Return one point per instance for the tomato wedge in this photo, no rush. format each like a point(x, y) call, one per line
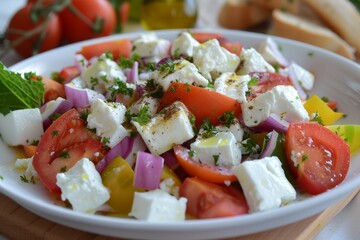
point(266, 81)
point(206, 172)
point(203, 103)
point(68, 73)
point(318, 158)
point(210, 200)
point(64, 143)
point(118, 48)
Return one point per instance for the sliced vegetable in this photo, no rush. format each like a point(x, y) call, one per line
point(350, 134)
point(202, 37)
point(273, 122)
point(53, 109)
point(118, 48)
point(208, 104)
point(118, 177)
point(210, 200)
point(68, 73)
point(316, 106)
point(318, 158)
point(29, 150)
point(266, 81)
point(270, 145)
point(81, 97)
point(64, 143)
point(206, 172)
point(148, 170)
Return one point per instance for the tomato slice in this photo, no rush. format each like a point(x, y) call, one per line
point(206, 172)
point(118, 48)
point(53, 89)
point(202, 37)
point(318, 158)
point(64, 143)
point(203, 103)
point(266, 81)
point(210, 200)
point(68, 73)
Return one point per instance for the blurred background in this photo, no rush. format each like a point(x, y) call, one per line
point(28, 27)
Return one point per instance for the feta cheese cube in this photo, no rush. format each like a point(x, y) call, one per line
point(264, 184)
point(282, 100)
point(269, 50)
point(233, 85)
point(151, 47)
point(101, 75)
point(83, 187)
point(252, 61)
point(305, 78)
point(212, 60)
point(184, 45)
point(171, 126)
point(151, 102)
point(185, 72)
point(235, 128)
point(158, 206)
point(107, 118)
point(21, 127)
point(220, 150)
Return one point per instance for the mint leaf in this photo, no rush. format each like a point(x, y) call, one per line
point(18, 93)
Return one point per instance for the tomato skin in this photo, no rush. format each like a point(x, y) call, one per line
point(75, 29)
point(208, 104)
point(67, 134)
point(68, 73)
point(266, 81)
point(21, 21)
point(118, 48)
point(209, 200)
point(324, 158)
point(206, 172)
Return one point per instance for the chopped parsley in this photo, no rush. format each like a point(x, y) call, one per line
point(168, 67)
point(120, 87)
point(227, 118)
point(63, 169)
point(24, 179)
point(55, 76)
point(191, 153)
point(317, 118)
point(208, 130)
point(304, 158)
point(54, 133)
point(1, 177)
point(128, 62)
point(216, 160)
point(142, 117)
point(105, 140)
point(253, 82)
point(64, 154)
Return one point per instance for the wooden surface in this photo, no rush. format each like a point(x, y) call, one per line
point(19, 223)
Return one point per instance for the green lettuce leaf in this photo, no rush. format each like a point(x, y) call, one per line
point(17, 92)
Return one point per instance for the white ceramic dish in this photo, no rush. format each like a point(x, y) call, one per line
point(337, 78)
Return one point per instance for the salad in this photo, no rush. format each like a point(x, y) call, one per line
point(199, 127)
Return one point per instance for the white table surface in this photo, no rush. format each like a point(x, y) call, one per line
point(345, 226)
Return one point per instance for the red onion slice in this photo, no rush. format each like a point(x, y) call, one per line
point(81, 97)
point(170, 160)
point(270, 146)
point(133, 74)
point(138, 145)
point(51, 108)
point(275, 49)
point(148, 169)
point(273, 122)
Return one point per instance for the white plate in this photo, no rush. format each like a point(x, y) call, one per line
point(337, 78)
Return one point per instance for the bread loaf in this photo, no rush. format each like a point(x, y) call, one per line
point(285, 5)
point(294, 27)
point(342, 17)
point(240, 14)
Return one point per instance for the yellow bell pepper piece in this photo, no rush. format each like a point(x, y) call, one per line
point(315, 105)
point(118, 177)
